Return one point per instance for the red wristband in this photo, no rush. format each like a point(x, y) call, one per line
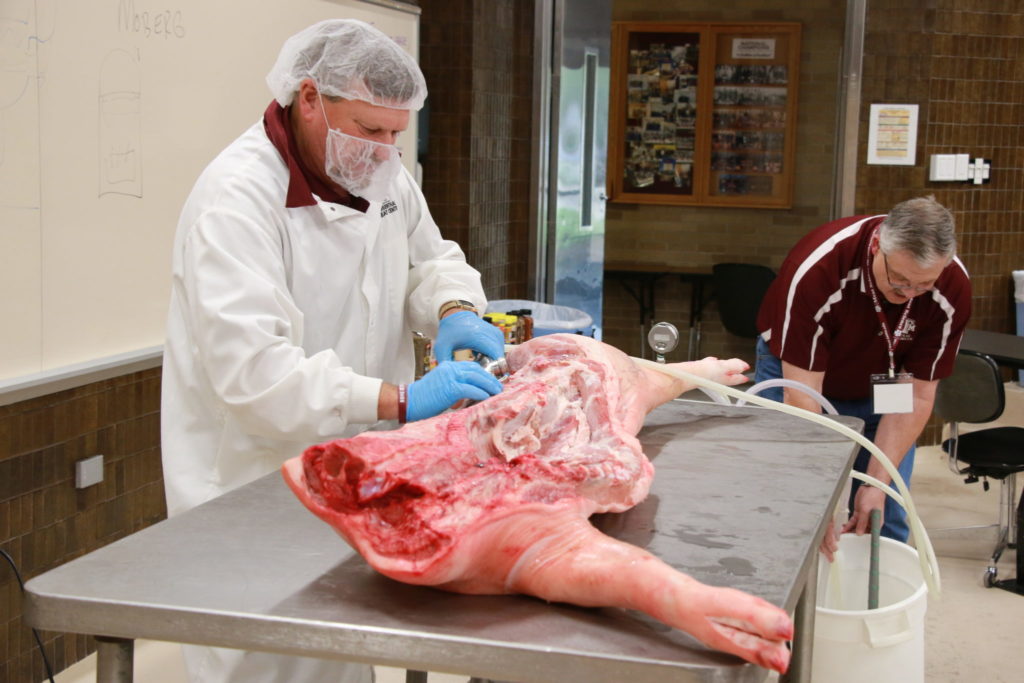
point(402, 402)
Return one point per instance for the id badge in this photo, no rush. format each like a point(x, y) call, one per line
point(893, 394)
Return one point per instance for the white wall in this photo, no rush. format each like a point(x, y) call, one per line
point(109, 109)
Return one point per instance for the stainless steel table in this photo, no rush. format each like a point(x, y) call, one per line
point(739, 499)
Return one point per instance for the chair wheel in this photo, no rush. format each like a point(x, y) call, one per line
point(990, 577)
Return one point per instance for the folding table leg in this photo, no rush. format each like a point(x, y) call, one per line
point(114, 659)
point(803, 627)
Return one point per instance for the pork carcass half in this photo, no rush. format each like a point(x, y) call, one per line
point(495, 498)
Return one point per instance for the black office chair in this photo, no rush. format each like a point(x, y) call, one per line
point(739, 288)
point(974, 393)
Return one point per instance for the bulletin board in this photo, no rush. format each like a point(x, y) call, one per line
point(109, 110)
point(704, 113)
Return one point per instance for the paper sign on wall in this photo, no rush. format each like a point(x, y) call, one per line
point(892, 134)
point(753, 48)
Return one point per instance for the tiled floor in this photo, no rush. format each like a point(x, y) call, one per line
point(972, 633)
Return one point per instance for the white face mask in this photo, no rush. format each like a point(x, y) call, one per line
point(363, 167)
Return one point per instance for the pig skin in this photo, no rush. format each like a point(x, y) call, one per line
point(495, 498)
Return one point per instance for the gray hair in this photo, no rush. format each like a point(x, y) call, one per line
point(921, 226)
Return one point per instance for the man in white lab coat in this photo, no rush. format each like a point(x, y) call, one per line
point(304, 258)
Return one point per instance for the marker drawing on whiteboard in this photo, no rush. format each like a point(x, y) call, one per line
point(24, 26)
point(120, 134)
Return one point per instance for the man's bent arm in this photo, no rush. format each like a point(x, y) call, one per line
point(796, 397)
point(896, 433)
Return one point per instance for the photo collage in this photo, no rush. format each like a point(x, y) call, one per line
point(661, 116)
point(748, 127)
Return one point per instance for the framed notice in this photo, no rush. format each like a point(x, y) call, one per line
point(703, 113)
point(892, 134)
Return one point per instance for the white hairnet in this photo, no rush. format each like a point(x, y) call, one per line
point(351, 59)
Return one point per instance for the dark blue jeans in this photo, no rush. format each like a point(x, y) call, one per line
point(895, 526)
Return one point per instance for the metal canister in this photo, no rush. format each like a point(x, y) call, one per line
point(496, 366)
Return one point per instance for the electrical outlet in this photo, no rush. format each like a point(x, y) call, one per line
point(88, 472)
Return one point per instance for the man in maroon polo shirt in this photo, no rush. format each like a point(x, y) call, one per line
point(869, 311)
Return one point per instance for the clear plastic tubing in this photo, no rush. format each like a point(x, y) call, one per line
point(926, 554)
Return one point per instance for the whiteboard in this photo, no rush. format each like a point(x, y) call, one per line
point(109, 110)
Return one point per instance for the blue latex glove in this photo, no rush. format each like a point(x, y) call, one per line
point(464, 330)
point(449, 382)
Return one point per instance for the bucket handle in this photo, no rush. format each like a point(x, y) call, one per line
point(889, 631)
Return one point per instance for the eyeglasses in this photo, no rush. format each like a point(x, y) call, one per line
point(900, 287)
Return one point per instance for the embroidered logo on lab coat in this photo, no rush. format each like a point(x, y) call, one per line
point(389, 206)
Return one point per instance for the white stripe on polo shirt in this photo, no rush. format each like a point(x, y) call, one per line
point(833, 298)
point(949, 310)
point(818, 254)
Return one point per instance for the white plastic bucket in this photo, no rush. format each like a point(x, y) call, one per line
point(853, 643)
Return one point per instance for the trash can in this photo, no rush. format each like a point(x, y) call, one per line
point(547, 318)
point(1018, 297)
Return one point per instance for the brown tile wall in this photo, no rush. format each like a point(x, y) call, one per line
point(963, 63)
point(477, 59)
point(699, 237)
point(45, 521)
point(446, 33)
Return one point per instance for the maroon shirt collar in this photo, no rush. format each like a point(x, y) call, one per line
point(302, 184)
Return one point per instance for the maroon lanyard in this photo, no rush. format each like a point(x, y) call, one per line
point(891, 340)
